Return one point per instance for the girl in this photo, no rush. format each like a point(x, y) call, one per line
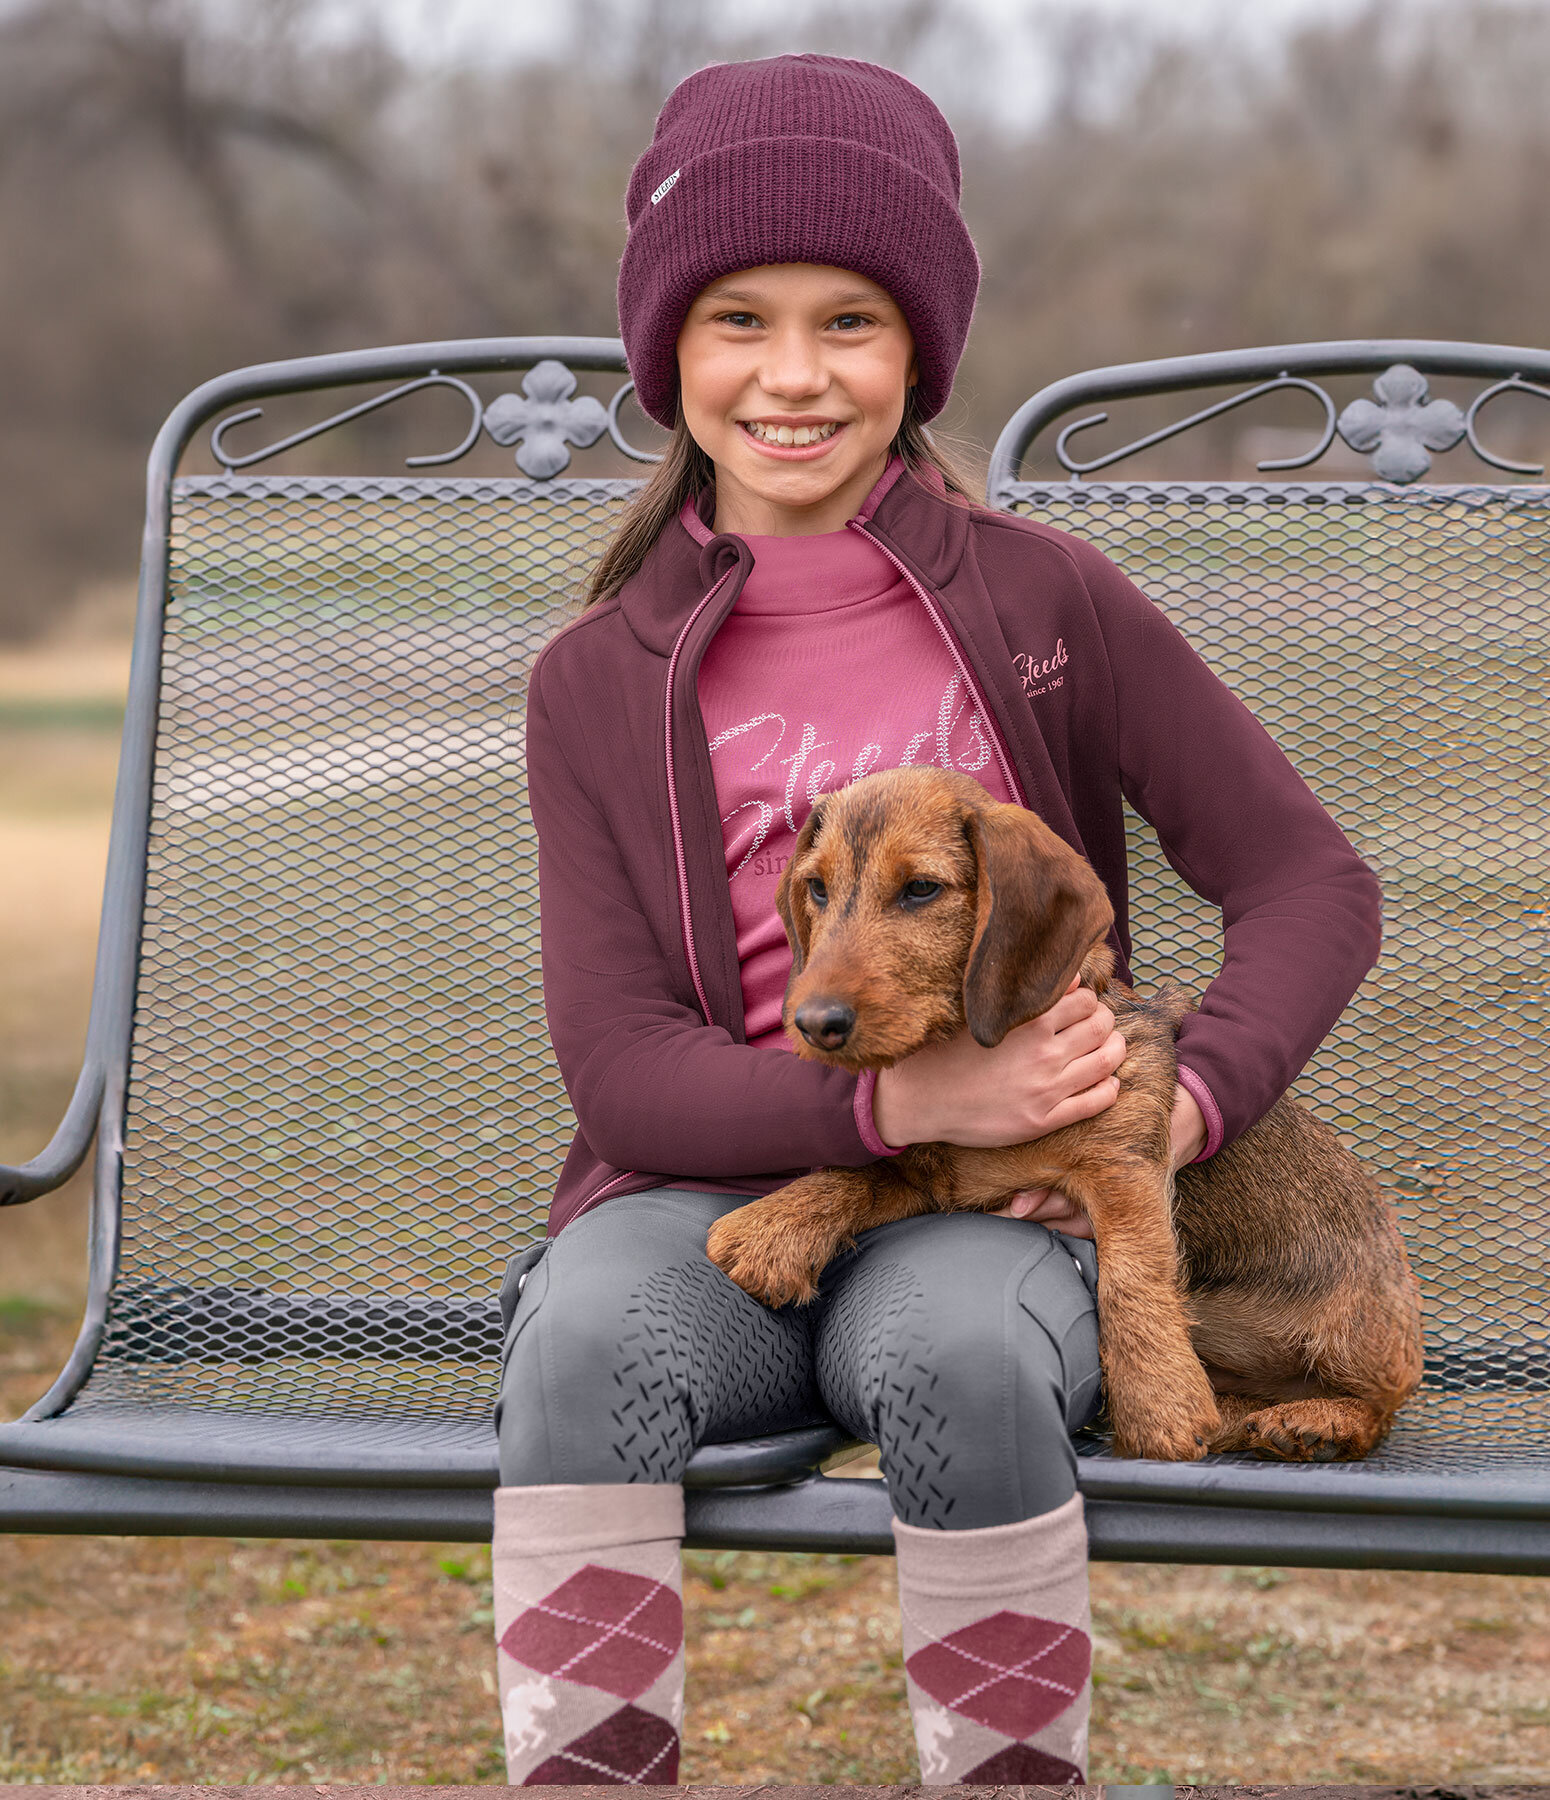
point(803, 593)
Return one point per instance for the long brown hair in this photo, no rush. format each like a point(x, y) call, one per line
point(685, 471)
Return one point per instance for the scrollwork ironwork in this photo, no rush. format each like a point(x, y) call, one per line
point(435, 379)
point(1513, 384)
point(620, 441)
point(1400, 428)
point(544, 419)
point(1281, 381)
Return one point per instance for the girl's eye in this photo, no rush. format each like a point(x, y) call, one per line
point(919, 891)
point(817, 892)
point(852, 321)
point(740, 319)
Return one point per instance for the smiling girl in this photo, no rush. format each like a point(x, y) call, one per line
point(803, 593)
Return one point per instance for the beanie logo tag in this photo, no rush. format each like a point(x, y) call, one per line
point(662, 191)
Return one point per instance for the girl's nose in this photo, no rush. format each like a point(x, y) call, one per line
point(793, 368)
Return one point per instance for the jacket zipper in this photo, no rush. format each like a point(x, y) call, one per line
point(681, 858)
point(1012, 786)
point(613, 1181)
point(672, 805)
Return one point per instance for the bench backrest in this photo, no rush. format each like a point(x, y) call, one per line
point(341, 1113)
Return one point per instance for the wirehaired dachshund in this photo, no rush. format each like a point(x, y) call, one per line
point(1260, 1301)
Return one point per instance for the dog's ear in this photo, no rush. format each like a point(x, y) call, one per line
point(1038, 911)
point(793, 903)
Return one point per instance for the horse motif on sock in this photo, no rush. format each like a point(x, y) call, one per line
point(521, 1710)
point(933, 1734)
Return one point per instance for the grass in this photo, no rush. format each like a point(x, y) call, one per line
point(128, 1660)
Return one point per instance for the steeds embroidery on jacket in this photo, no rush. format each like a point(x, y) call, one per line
point(1039, 677)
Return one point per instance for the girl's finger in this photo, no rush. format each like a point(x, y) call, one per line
point(1020, 1205)
point(1085, 1105)
point(1083, 1072)
point(1070, 1009)
point(1087, 1033)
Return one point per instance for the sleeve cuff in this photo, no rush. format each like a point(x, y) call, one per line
point(1209, 1111)
point(866, 1086)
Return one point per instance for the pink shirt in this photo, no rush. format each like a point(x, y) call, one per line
point(828, 667)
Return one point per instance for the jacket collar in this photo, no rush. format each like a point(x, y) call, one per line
point(914, 517)
point(925, 525)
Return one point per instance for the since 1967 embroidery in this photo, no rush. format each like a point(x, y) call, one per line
point(1040, 675)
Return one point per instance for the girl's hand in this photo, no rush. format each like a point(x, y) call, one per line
point(1186, 1127)
point(1048, 1206)
point(1053, 1071)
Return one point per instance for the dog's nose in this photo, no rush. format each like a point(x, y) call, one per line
point(825, 1023)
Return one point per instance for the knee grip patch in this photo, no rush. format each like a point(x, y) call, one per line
point(878, 1374)
point(700, 1362)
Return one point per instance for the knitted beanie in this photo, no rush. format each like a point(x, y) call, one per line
point(813, 159)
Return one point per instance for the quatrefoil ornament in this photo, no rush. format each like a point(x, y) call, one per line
point(545, 419)
point(1402, 426)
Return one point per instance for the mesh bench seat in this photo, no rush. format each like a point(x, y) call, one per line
point(317, 1075)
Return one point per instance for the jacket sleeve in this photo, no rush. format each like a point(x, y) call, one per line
point(1301, 911)
point(654, 1086)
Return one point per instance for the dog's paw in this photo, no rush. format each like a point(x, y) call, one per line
point(757, 1250)
point(1337, 1430)
point(1168, 1422)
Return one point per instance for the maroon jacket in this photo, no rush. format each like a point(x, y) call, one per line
point(1094, 698)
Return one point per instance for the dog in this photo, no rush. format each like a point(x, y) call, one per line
point(1260, 1301)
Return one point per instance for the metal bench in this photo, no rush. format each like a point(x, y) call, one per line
point(317, 1073)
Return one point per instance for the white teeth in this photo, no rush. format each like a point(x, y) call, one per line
point(796, 435)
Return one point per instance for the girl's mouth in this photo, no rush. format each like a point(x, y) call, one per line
point(791, 443)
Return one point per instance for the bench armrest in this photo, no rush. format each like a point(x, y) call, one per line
point(66, 1150)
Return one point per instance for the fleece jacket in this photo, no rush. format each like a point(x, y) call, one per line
point(1093, 698)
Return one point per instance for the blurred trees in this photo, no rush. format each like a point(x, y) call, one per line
point(186, 185)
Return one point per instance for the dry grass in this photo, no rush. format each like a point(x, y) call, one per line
point(146, 1660)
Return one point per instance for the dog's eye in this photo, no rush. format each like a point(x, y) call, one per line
point(919, 891)
point(817, 892)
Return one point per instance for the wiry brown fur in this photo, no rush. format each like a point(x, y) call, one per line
point(1260, 1301)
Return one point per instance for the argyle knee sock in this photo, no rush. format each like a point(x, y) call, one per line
point(997, 1649)
point(589, 1633)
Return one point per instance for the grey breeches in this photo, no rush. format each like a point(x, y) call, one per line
point(964, 1346)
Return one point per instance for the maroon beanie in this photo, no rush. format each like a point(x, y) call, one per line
point(814, 159)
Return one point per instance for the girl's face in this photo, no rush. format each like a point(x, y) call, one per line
point(793, 379)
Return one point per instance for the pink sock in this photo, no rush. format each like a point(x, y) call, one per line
point(589, 1629)
point(998, 1649)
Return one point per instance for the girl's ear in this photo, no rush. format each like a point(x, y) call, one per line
point(1039, 909)
point(792, 900)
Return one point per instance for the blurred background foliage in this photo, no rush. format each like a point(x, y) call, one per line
point(187, 185)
